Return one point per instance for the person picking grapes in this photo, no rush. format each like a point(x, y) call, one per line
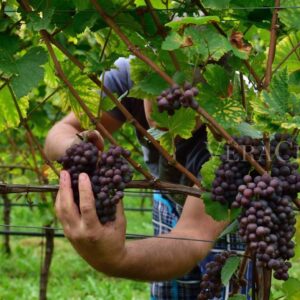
point(174, 262)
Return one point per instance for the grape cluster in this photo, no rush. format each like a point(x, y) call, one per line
point(233, 168)
point(267, 222)
point(108, 172)
point(175, 97)
point(109, 181)
point(211, 284)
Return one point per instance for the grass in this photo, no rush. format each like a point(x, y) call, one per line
point(71, 278)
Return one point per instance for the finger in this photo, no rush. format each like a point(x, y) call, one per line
point(94, 137)
point(65, 206)
point(120, 216)
point(87, 201)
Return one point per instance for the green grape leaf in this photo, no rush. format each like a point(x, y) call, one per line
point(206, 43)
point(215, 209)
point(293, 123)
point(230, 228)
point(227, 112)
point(151, 85)
point(294, 82)
point(290, 16)
point(229, 268)
point(87, 90)
point(240, 53)
point(167, 142)
point(247, 129)
point(214, 147)
point(9, 43)
point(218, 79)
point(291, 287)
point(9, 117)
point(30, 71)
point(173, 41)
point(175, 25)
point(208, 171)
point(216, 4)
point(181, 123)
point(283, 48)
point(277, 106)
point(82, 4)
point(238, 297)
point(39, 21)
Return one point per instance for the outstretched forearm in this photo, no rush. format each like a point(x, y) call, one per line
point(159, 259)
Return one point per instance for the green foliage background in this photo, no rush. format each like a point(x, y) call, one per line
point(207, 58)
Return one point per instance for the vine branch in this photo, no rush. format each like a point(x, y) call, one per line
point(135, 184)
point(30, 134)
point(161, 30)
point(272, 47)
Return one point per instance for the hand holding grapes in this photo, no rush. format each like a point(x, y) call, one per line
point(100, 245)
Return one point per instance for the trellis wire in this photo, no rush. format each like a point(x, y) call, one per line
point(134, 209)
point(128, 235)
point(176, 9)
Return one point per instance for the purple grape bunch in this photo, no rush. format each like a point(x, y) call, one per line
point(267, 222)
point(175, 97)
point(211, 283)
point(108, 171)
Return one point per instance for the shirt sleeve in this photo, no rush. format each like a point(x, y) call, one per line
point(118, 81)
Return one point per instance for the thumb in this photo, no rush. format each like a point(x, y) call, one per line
point(94, 137)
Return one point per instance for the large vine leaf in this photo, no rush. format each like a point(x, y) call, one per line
point(151, 85)
point(215, 209)
point(208, 171)
point(42, 20)
point(26, 72)
point(182, 124)
point(173, 41)
point(30, 71)
point(290, 16)
point(175, 25)
point(86, 89)
point(283, 48)
point(207, 43)
point(229, 268)
point(278, 106)
point(9, 117)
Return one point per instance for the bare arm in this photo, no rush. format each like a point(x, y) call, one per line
point(63, 134)
point(104, 247)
